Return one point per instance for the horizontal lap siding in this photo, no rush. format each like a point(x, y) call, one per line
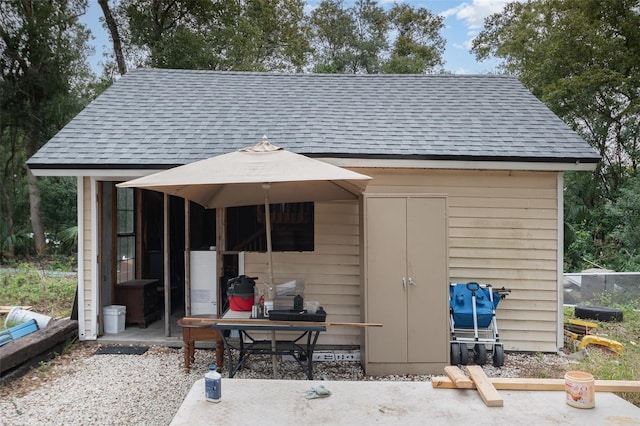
point(331, 272)
point(502, 231)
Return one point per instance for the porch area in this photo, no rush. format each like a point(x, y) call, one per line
point(154, 334)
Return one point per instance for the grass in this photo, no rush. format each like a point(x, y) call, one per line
point(606, 365)
point(50, 295)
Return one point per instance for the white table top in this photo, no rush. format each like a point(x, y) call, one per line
point(283, 402)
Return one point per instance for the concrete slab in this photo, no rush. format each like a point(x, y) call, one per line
point(283, 402)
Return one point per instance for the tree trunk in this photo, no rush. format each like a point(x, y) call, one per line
point(36, 218)
point(9, 211)
point(115, 36)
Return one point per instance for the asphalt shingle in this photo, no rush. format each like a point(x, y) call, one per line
point(154, 117)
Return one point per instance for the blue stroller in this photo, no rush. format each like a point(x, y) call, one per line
point(472, 309)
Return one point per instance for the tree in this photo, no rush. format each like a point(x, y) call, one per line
point(418, 48)
point(580, 57)
point(43, 64)
point(357, 39)
point(112, 25)
point(254, 35)
point(625, 216)
point(370, 25)
point(334, 36)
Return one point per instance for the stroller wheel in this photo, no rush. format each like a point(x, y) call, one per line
point(498, 356)
point(455, 353)
point(464, 354)
point(481, 354)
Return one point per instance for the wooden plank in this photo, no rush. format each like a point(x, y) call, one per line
point(529, 384)
point(459, 379)
point(487, 391)
point(7, 309)
point(212, 321)
point(30, 346)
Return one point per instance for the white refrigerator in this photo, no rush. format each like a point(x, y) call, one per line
point(204, 284)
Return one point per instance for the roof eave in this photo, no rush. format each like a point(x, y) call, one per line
point(349, 161)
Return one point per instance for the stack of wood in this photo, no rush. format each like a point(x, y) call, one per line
point(488, 387)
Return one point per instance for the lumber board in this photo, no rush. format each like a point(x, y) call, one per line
point(487, 391)
point(530, 384)
point(212, 321)
point(7, 309)
point(25, 348)
point(459, 379)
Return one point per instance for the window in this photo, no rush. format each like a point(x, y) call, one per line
point(292, 227)
point(126, 240)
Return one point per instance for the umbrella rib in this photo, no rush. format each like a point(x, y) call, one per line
point(348, 186)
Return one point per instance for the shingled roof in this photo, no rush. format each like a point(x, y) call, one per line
point(157, 118)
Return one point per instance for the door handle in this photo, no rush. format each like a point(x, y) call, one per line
point(411, 282)
point(404, 282)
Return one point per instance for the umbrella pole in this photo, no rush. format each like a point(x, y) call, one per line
point(267, 217)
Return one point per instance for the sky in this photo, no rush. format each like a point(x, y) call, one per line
point(463, 21)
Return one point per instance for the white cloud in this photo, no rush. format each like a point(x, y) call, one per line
point(473, 13)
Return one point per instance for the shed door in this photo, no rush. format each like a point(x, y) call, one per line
point(407, 274)
point(387, 261)
point(427, 268)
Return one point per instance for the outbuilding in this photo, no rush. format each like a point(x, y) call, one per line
point(467, 186)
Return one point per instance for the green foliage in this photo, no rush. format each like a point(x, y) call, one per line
point(58, 203)
point(625, 218)
point(365, 38)
point(580, 58)
point(255, 35)
point(418, 48)
point(44, 78)
point(607, 366)
point(603, 363)
point(51, 295)
point(62, 263)
point(334, 32)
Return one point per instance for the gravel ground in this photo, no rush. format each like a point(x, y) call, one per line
point(80, 388)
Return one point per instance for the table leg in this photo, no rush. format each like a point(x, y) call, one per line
point(187, 356)
point(311, 344)
point(219, 354)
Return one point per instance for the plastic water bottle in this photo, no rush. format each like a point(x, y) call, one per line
point(213, 385)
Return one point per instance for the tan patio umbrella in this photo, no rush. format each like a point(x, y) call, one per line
point(263, 173)
point(250, 176)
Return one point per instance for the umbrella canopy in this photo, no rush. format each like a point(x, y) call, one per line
point(263, 173)
point(260, 174)
point(237, 178)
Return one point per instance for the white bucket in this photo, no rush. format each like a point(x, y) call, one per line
point(17, 315)
point(580, 389)
point(114, 318)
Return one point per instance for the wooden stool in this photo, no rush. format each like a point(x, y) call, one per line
point(192, 333)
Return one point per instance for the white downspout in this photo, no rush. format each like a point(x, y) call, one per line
point(80, 278)
point(95, 298)
point(560, 260)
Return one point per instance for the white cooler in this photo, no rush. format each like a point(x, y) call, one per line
point(114, 316)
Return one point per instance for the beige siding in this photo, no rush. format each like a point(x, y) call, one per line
point(331, 272)
point(502, 231)
point(86, 236)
